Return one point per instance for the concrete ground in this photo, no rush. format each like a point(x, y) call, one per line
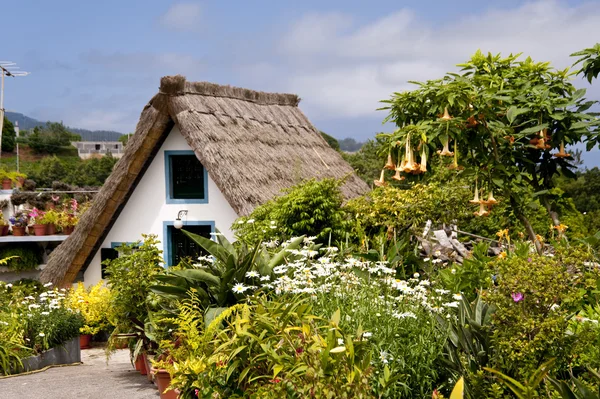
point(94, 379)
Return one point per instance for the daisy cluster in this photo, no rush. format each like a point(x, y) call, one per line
point(323, 271)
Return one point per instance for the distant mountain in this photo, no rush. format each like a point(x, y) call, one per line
point(26, 123)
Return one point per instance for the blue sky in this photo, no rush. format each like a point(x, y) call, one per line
point(96, 64)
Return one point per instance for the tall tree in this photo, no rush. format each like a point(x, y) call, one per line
point(8, 136)
point(506, 121)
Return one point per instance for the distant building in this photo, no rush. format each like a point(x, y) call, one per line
point(93, 149)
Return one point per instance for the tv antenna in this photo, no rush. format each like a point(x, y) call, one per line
point(7, 68)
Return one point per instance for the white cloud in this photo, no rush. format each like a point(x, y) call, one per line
point(342, 69)
point(182, 17)
point(141, 62)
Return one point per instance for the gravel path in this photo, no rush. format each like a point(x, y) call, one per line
point(94, 379)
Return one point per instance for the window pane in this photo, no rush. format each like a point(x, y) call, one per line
point(182, 246)
point(187, 177)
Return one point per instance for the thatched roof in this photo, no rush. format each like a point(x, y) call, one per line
point(253, 145)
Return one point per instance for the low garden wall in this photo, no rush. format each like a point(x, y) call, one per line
point(68, 353)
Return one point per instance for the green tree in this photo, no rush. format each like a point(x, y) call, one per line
point(590, 62)
point(367, 161)
point(46, 171)
point(8, 136)
point(51, 138)
point(508, 122)
point(124, 138)
point(332, 141)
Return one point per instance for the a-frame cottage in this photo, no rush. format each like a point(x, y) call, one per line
point(214, 151)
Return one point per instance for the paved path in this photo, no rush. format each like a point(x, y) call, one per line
point(94, 379)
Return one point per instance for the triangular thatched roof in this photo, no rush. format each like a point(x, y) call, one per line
point(253, 145)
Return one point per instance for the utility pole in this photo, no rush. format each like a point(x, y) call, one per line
point(7, 69)
point(17, 140)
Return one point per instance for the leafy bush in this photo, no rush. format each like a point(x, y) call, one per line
point(28, 257)
point(534, 297)
point(311, 208)
point(93, 304)
point(129, 278)
point(269, 349)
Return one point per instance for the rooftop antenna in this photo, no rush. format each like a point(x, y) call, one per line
point(7, 68)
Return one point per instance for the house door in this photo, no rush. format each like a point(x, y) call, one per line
point(182, 247)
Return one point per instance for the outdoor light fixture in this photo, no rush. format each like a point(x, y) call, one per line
point(178, 224)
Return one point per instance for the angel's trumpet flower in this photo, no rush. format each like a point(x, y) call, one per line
point(475, 199)
point(446, 115)
point(562, 153)
point(381, 182)
point(390, 165)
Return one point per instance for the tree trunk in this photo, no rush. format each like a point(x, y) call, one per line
point(527, 225)
point(553, 214)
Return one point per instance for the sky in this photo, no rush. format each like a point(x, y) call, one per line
point(95, 65)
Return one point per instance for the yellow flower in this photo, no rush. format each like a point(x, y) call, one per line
point(502, 255)
point(561, 228)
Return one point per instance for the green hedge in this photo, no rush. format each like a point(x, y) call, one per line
point(29, 256)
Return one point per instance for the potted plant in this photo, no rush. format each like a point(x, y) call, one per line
point(35, 219)
point(160, 368)
point(69, 217)
point(5, 177)
point(50, 219)
point(94, 305)
point(19, 222)
point(3, 225)
point(18, 178)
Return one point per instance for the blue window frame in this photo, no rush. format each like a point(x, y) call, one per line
point(168, 232)
point(188, 187)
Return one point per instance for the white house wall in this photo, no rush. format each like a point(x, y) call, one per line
point(147, 209)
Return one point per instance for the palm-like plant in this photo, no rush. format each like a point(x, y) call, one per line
point(214, 283)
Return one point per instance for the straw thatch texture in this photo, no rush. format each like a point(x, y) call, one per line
point(253, 145)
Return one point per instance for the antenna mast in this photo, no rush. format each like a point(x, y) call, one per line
point(7, 68)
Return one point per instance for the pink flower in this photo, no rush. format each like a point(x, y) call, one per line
point(55, 198)
point(517, 296)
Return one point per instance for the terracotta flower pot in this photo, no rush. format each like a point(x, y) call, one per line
point(4, 230)
point(148, 365)
point(84, 341)
point(140, 365)
point(18, 231)
point(68, 230)
point(6, 184)
point(20, 182)
point(39, 229)
point(50, 229)
point(163, 380)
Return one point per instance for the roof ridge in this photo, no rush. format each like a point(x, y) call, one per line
point(177, 85)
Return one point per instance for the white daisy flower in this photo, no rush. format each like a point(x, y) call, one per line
point(239, 288)
point(252, 274)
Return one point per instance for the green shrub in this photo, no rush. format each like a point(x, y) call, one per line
point(311, 208)
point(533, 297)
point(29, 256)
point(268, 349)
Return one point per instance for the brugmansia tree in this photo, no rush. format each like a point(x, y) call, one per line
point(503, 121)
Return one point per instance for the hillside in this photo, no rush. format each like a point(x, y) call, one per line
point(26, 123)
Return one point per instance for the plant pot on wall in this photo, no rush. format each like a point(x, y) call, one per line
point(18, 231)
point(20, 181)
point(84, 341)
point(163, 380)
point(51, 229)
point(68, 230)
point(4, 230)
point(39, 229)
point(6, 184)
point(140, 365)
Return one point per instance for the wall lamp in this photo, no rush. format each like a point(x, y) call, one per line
point(178, 224)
